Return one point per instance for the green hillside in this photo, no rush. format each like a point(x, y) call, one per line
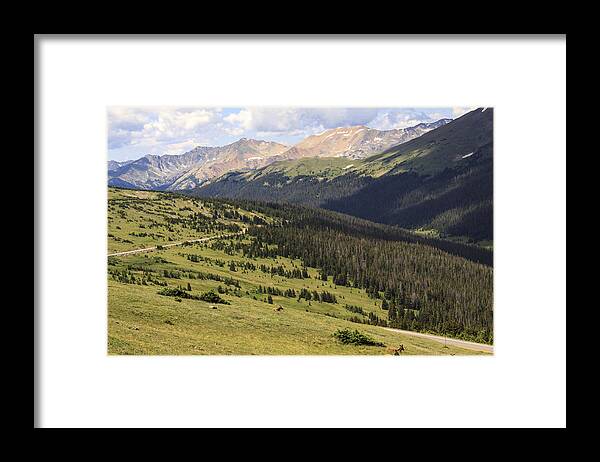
point(248, 290)
point(319, 167)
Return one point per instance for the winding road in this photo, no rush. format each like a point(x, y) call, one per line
point(448, 341)
point(164, 246)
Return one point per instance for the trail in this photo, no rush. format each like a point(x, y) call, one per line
point(448, 340)
point(173, 244)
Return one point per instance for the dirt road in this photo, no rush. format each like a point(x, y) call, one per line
point(448, 340)
point(172, 244)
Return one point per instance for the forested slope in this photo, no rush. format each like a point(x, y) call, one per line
point(423, 287)
point(441, 181)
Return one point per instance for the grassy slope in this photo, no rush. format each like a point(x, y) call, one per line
point(124, 221)
point(324, 167)
point(137, 315)
point(438, 149)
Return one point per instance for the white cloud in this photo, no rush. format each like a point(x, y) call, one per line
point(175, 124)
point(234, 131)
point(167, 129)
point(242, 118)
point(128, 117)
point(298, 120)
point(172, 130)
point(122, 121)
point(393, 119)
point(461, 110)
point(180, 148)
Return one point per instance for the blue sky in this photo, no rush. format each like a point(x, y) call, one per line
point(136, 131)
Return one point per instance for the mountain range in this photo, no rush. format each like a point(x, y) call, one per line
point(439, 183)
point(188, 170)
point(204, 164)
point(435, 179)
point(356, 142)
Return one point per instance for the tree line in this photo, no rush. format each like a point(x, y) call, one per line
point(423, 287)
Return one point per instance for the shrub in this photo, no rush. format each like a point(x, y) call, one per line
point(179, 293)
point(354, 337)
point(355, 309)
point(212, 297)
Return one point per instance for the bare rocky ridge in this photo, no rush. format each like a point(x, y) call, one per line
point(356, 142)
point(242, 154)
point(185, 171)
point(203, 164)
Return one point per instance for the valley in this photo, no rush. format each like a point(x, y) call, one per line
point(440, 183)
point(227, 277)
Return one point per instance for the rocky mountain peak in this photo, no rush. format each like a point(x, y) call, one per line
point(205, 163)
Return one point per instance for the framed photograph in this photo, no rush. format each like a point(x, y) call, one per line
point(273, 231)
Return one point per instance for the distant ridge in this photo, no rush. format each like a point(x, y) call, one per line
point(204, 164)
point(188, 170)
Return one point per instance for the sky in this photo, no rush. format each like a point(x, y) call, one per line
point(134, 132)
